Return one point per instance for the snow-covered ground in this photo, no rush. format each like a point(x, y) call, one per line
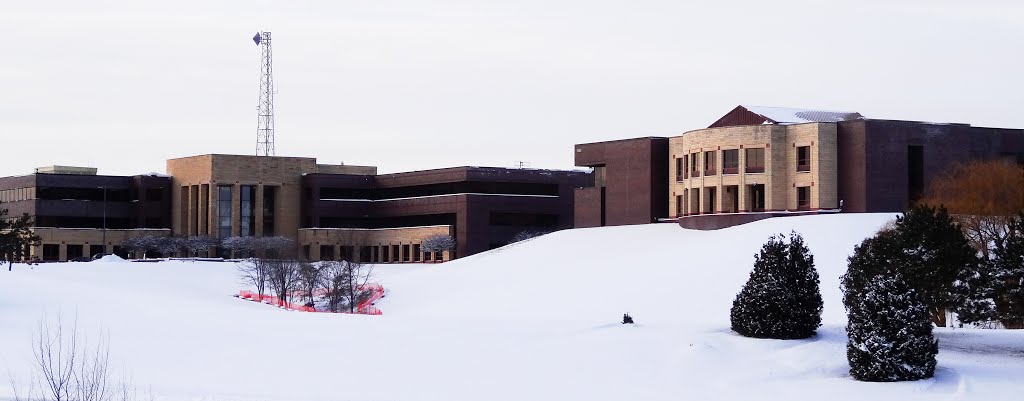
point(538, 320)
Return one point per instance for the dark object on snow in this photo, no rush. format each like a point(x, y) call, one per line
point(627, 319)
point(781, 299)
point(308, 304)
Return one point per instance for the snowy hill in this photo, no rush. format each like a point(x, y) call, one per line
point(533, 320)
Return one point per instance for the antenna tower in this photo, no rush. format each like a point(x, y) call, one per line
point(265, 126)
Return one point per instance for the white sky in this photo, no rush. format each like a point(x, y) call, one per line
point(406, 85)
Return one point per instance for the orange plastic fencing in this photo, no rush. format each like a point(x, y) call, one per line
point(364, 308)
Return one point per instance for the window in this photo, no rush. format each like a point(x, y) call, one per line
point(679, 168)
point(755, 160)
point(694, 165)
point(326, 252)
point(154, 194)
point(247, 208)
point(223, 211)
point(730, 161)
point(679, 205)
point(803, 158)
point(709, 163)
point(416, 253)
point(803, 198)
point(686, 166)
point(268, 211)
point(51, 252)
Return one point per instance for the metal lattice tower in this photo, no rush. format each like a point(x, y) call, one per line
point(265, 126)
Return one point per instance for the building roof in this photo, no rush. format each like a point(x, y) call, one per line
point(784, 115)
point(749, 115)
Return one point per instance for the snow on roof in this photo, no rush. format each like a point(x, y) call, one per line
point(783, 115)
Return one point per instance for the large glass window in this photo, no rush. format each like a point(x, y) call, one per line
point(803, 198)
point(754, 160)
point(803, 158)
point(694, 165)
point(247, 203)
point(268, 211)
point(680, 166)
point(709, 163)
point(730, 161)
point(223, 211)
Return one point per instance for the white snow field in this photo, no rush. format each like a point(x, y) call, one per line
point(537, 320)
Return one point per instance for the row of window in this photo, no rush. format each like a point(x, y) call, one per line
point(689, 202)
point(247, 208)
point(17, 194)
point(690, 164)
point(377, 253)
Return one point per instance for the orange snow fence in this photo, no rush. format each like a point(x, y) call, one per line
point(364, 308)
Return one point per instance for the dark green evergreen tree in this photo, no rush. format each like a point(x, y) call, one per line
point(889, 330)
point(781, 299)
point(1008, 277)
point(16, 236)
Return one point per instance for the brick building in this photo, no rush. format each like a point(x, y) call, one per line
point(332, 211)
point(78, 213)
point(757, 162)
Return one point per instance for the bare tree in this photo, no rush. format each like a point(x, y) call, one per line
point(345, 284)
point(527, 234)
point(168, 246)
point(69, 369)
point(254, 271)
point(199, 243)
point(311, 278)
point(283, 278)
point(238, 245)
point(437, 243)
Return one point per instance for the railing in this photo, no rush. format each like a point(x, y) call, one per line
point(730, 170)
point(695, 173)
point(709, 171)
point(803, 167)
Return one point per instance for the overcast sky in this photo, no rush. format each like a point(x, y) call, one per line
point(407, 85)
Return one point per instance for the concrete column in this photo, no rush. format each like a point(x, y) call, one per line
point(236, 210)
point(63, 255)
point(204, 209)
point(314, 251)
point(258, 230)
point(193, 214)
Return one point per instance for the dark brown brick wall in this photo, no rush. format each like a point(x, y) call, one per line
point(636, 179)
point(471, 213)
point(873, 166)
point(588, 207)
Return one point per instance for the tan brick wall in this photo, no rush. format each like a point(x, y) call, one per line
point(284, 174)
point(337, 237)
point(86, 237)
point(780, 177)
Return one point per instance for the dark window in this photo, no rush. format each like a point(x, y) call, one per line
point(438, 256)
point(803, 158)
point(416, 252)
point(326, 252)
point(754, 160)
point(915, 173)
point(512, 188)
point(95, 250)
point(709, 163)
point(247, 209)
point(268, 210)
point(709, 205)
point(694, 165)
point(680, 168)
point(803, 198)
point(153, 222)
point(731, 161)
point(385, 254)
point(396, 256)
point(365, 254)
point(154, 194)
point(679, 205)
point(347, 253)
point(406, 256)
point(51, 252)
point(75, 251)
point(224, 211)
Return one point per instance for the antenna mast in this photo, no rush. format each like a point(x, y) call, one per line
point(265, 125)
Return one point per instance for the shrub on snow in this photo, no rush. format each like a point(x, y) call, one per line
point(889, 332)
point(781, 299)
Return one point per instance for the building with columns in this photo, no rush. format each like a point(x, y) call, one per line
point(758, 162)
point(332, 211)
